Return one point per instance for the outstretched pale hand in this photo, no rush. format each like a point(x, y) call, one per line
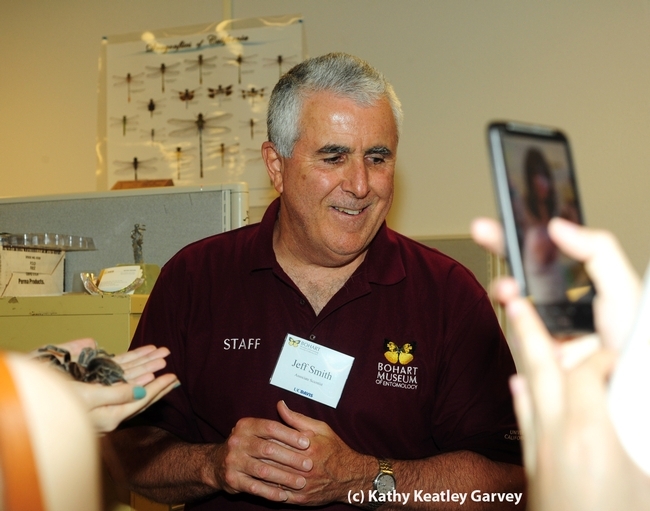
point(108, 406)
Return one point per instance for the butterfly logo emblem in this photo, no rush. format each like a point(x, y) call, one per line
point(402, 354)
point(293, 342)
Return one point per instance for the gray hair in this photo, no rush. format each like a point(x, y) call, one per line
point(339, 73)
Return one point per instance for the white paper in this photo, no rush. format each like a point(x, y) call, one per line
point(311, 370)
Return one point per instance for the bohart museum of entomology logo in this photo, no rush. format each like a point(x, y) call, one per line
point(398, 371)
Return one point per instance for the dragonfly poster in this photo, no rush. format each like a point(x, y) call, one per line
point(189, 104)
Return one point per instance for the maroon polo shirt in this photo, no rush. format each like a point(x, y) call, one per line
point(223, 307)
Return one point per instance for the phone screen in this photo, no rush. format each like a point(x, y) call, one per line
point(540, 184)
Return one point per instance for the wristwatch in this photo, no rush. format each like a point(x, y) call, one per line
point(384, 481)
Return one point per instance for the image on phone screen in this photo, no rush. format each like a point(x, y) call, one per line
point(541, 185)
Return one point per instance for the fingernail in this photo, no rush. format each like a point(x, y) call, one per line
point(176, 385)
point(139, 392)
point(303, 442)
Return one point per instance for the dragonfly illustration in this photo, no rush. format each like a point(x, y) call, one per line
point(200, 63)
point(129, 80)
point(252, 93)
point(127, 123)
point(280, 61)
point(198, 127)
point(153, 134)
point(220, 91)
point(252, 155)
point(240, 61)
point(164, 71)
point(223, 149)
point(152, 105)
point(187, 95)
point(134, 166)
point(182, 158)
point(252, 124)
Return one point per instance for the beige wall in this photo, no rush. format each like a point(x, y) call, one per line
point(582, 65)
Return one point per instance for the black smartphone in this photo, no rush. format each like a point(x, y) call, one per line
point(535, 181)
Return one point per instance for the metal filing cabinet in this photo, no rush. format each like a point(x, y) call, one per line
point(29, 322)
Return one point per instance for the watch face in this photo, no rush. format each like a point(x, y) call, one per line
point(385, 483)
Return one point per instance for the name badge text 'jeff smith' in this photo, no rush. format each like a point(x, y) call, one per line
point(311, 370)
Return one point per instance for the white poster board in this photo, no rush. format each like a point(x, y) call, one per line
point(189, 104)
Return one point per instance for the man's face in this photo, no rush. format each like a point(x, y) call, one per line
point(337, 187)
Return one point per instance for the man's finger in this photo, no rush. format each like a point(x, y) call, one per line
point(298, 420)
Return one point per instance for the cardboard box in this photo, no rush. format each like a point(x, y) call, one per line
point(31, 271)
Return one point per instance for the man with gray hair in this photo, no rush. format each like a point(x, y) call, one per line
point(325, 360)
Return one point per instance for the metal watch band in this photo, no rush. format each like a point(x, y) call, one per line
point(385, 467)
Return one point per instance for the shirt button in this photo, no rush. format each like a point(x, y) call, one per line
point(312, 337)
point(302, 301)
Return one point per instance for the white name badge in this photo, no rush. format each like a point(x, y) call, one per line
point(311, 370)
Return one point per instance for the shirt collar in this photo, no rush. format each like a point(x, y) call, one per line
point(383, 263)
point(262, 255)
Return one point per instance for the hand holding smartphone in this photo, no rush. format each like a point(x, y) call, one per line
point(535, 181)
